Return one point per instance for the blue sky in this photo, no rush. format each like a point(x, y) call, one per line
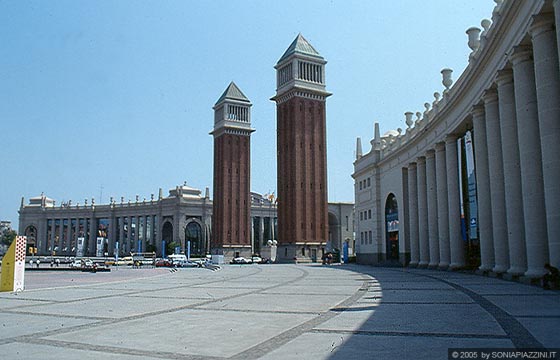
point(114, 98)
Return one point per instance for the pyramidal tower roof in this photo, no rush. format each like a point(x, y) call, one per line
point(300, 46)
point(233, 93)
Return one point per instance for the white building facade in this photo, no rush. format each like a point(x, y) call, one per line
point(475, 179)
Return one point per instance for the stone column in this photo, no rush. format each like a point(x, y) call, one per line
point(121, 235)
point(92, 240)
point(42, 236)
point(531, 160)
point(413, 214)
point(547, 79)
point(68, 237)
point(261, 231)
point(128, 233)
point(483, 190)
point(60, 237)
point(86, 237)
point(556, 4)
point(512, 174)
point(496, 168)
point(442, 210)
point(424, 249)
point(457, 250)
point(53, 235)
point(431, 185)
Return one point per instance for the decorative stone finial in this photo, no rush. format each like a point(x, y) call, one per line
point(419, 114)
point(474, 38)
point(85, 202)
point(151, 197)
point(408, 117)
point(485, 23)
point(377, 141)
point(122, 199)
point(92, 201)
point(436, 98)
point(358, 148)
point(137, 197)
point(446, 78)
point(160, 195)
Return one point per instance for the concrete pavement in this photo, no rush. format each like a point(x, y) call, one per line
point(272, 312)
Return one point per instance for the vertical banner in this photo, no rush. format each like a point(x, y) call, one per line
point(188, 249)
point(80, 250)
point(471, 178)
point(99, 247)
point(461, 198)
point(13, 266)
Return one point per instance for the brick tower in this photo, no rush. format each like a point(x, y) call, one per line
point(231, 231)
point(302, 158)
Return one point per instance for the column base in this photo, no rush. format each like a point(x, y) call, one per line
point(233, 251)
point(456, 266)
point(292, 253)
point(516, 271)
point(534, 273)
point(422, 264)
point(499, 269)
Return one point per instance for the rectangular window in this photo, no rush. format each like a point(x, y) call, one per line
point(368, 182)
point(370, 238)
point(369, 213)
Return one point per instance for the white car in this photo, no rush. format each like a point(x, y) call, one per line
point(241, 260)
point(76, 264)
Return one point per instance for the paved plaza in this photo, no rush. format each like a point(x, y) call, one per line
point(272, 312)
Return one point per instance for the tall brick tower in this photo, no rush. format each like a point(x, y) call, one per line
point(302, 158)
point(231, 231)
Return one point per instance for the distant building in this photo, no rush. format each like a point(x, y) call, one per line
point(185, 215)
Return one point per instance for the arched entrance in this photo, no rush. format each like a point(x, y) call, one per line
point(167, 238)
point(193, 233)
point(392, 227)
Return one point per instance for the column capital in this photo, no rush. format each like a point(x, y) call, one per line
point(451, 138)
point(505, 76)
point(421, 160)
point(521, 53)
point(440, 146)
point(490, 95)
point(431, 153)
point(478, 110)
point(543, 22)
point(412, 165)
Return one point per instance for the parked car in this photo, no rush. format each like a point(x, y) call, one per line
point(241, 260)
point(185, 263)
point(76, 264)
point(164, 263)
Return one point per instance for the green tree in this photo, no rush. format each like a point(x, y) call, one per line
point(170, 248)
point(8, 237)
